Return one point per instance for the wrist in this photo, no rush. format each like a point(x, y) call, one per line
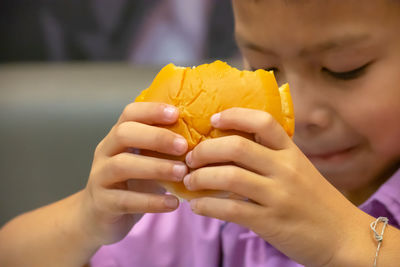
point(76, 224)
point(357, 247)
point(86, 222)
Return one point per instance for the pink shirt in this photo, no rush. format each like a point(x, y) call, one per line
point(182, 238)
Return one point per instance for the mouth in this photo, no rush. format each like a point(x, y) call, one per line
point(339, 155)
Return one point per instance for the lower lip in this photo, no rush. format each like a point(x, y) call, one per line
point(338, 156)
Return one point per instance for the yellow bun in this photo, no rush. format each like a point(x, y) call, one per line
point(202, 91)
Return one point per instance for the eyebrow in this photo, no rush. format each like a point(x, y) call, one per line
point(319, 47)
point(252, 46)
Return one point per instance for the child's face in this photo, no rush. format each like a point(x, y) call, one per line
point(342, 61)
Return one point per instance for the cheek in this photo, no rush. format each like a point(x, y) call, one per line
point(375, 114)
point(383, 109)
point(383, 129)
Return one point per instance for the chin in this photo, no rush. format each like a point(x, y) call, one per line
point(347, 181)
point(355, 175)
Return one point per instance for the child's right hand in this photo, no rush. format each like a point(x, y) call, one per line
point(122, 186)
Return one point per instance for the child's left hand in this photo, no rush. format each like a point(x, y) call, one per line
point(291, 205)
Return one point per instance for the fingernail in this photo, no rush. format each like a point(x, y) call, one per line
point(215, 119)
point(170, 113)
point(180, 145)
point(171, 202)
point(186, 181)
point(179, 171)
point(188, 158)
point(193, 204)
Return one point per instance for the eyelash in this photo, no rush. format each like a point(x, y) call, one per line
point(347, 75)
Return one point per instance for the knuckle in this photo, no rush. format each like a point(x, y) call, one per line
point(117, 166)
point(239, 147)
point(288, 165)
point(164, 137)
point(98, 202)
point(165, 170)
point(148, 204)
point(98, 149)
point(281, 203)
point(267, 121)
point(120, 132)
point(200, 206)
point(230, 177)
point(96, 175)
point(292, 173)
point(123, 204)
point(126, 111)
point(231, 210)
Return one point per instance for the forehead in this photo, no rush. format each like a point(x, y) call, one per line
point(320, 10)
point(291, 21)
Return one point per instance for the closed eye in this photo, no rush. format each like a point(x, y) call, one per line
point(347, 75)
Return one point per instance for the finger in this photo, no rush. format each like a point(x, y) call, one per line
point(143, 136)
point(237, 211)
point(149, 113)
point(267, 130)
point(144, 112)
point(126, 166)
point(233, 148)
point(128, 202)
point(231, 179)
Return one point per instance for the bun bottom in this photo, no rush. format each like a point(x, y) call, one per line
point(178, 189)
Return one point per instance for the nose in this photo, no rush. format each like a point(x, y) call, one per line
point(312, 113)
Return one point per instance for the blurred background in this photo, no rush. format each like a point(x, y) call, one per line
point(68, 68)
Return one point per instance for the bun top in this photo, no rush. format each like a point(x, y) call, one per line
point(199, 92)
point(202, 91)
